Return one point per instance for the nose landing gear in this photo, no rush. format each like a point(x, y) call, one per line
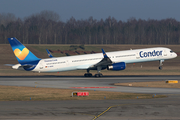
point(160, 64)
point(160, 67)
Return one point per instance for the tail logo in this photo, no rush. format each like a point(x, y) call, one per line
point(21, 54)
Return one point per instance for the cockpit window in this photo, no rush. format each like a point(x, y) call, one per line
point(171, 51)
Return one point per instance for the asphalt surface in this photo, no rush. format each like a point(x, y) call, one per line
point(139, 109)
point(71, 82)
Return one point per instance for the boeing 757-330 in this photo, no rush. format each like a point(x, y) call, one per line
point(116, 60)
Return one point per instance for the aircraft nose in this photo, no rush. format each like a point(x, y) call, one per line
point(175, 54)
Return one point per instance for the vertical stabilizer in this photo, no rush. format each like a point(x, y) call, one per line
point(23, 55)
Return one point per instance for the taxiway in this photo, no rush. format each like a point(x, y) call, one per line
point(139, 109)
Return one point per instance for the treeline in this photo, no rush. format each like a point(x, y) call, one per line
point(47, 28)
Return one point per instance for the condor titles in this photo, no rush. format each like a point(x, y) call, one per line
point(153, 53)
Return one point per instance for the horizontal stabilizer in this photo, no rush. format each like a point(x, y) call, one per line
point(9, 64)
point(27, 67)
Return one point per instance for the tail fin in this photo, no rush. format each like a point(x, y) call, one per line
point(23, 55)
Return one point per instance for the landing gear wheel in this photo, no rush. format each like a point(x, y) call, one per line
point(160, 64)
point(98, 75)
point(160, 67)
point(87, 75)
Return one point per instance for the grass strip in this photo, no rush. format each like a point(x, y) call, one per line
point(15, 93)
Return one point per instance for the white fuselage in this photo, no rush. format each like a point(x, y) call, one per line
point(85, 61)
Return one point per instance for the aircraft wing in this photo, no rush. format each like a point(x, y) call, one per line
point(104, 62)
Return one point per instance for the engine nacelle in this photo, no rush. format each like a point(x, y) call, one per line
point(117, 66)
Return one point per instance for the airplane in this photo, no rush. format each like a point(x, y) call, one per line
point(115, 61)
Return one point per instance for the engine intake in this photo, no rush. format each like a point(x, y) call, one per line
point(117, 66)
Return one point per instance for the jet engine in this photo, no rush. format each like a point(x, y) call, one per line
point(117, 66)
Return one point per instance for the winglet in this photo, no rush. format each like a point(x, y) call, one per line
point(49, 54)
point(104, 54)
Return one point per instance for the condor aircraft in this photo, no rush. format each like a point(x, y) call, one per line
point(111, 60)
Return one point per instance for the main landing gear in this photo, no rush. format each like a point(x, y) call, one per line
point(87, 74)
point(96, 75)
point(90, 75)
point(160, 64)
point(98, 72)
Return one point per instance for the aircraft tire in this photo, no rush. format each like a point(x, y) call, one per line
point(160, 67)
point(87, 75)
point(98, 75)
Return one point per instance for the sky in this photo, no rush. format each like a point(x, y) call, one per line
point(98, 9)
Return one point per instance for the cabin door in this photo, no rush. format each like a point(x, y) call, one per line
point(67, 62)
point(165, 52)
point(137, 55)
